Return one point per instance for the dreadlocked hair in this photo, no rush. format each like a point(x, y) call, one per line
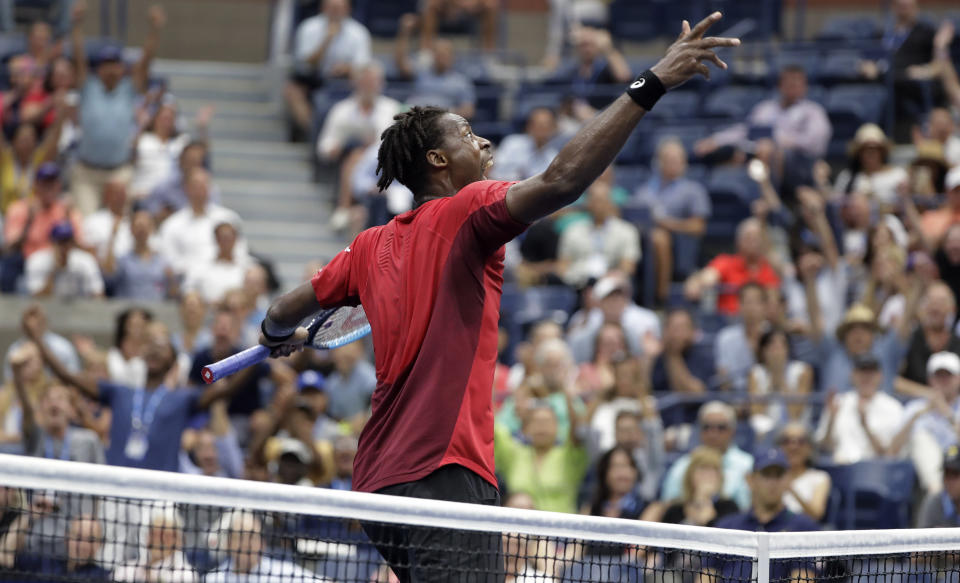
point(403, 147)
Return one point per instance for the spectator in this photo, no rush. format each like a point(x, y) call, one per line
point(240, 301)
point(246, 562)
point(108, 100)
point(681, 366)
point(109, 228)
point(861, 423)
point(727, 273)
point(549, 472)
point(313, 391)
point(135, 440)
point(809, 488)
point(327, 46)
point(680, 208)
point(435, 82)
point(539, 261)
point(520, 156)
point(125, 365)
point(936, 316)
point(62, 348)
point(84, 539)
point(939, 509)
point(596, 63)
point(943, 65)
point(352, 382)
point(23, 103)
point(63, 270)
point(701, 498)
point(769, 482)
point(779, 384)
point(616, 493)
point(187, 238)
point(936, 222)
point(930, 422)
point(928, 170)
point(40, 48)
point(344, 452)
point(941, 128)
point(737, 345)
point(909, 41)
point(162, 558)
point(225, 334)
point(857, 335)
point(718, 423)
point(49, 433)
point(947, 258)
point(193, 334)
point(641, 433)
point(20, 157)
point(26, 370)
point(354, 124)
point(610, 345)
point(800, 127)
point(436, 12)
point(213, 451)
point(566, 16)
point(141, 274)
point(614, 305)
point(213, 279)
point(628, 391)
point(605, 242)
point(869, 170)
point(171, 195)
point(160, 143)
point(28, 222)
point(881, 292)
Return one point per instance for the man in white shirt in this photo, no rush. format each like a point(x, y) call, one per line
point(246, 563)
point(594, 247)
point(521, 156)
point(327, 46)
point(187, 237)
point(212, 279)
point(930, 424)
point(614, 304)
point(63, 270)
point(352, 125)
point(110, 224)
point(861, 424)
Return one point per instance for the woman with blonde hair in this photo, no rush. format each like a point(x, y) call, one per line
point(701, 502)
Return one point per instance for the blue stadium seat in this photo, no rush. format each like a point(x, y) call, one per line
point(733, 102)
point(549, 301)
point(850, 106)
point(849, 28)
point(676, 105)
point(636, 20)
point(631, 177)
point(732, 181)
point(642, 145)
point(809, 60)
point(532, 98)
point(639, 216)
point(494, 131)
point(382, 16)
point(879, 494)
point(399, 91)
point(840, 67)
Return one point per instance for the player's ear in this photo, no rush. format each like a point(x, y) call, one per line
point(437, 158)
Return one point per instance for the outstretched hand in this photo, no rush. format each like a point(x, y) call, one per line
point(687, 55)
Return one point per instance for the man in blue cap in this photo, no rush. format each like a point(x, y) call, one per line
point(108, 101)
point(63, 270)
point(768, 482)
point(313, 392)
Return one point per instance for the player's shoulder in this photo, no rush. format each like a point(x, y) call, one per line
point(483, 192)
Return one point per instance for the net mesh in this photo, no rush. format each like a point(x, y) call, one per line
point(59, 522)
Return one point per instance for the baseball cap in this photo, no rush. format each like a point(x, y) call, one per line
point(951, 458)
point(48, 171)
point(953, 179)
point(866, 362)
point(62, 231)
point(607, 285)
point(109, 54)
point(947, 361)
point(311, 379)
point(769, 458)
point(294, 447)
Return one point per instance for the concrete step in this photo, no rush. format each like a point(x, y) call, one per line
point(273, 135)
point(251, 125)
point(287, 191)
point(278, 209)
point(233, 109)
point(278, 170)
point(207, 69)
point(300, 231)
point(261, 150)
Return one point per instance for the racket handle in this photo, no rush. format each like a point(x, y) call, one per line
point(231, 364)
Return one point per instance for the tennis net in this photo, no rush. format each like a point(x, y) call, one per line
point(71, 522)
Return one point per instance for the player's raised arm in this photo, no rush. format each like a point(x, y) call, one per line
point(596, 145)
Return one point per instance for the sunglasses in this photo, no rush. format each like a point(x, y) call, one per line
point(792, 441)
point(714, 427)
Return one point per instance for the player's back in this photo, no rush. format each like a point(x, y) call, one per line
point(430, 282)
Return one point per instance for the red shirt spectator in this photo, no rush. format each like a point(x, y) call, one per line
point(38, 215)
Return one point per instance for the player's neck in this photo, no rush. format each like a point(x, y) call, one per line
point(442, 187)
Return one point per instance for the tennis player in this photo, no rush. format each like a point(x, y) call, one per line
point(430, 282)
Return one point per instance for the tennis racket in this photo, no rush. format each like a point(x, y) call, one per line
point(328, 329)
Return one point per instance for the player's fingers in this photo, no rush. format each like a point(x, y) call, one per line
point(712, 42)
point(703, 70)
point(712, 57)
point(703, 25)
point(684, 30)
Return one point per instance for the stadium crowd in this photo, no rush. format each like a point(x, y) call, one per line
point(731, 327)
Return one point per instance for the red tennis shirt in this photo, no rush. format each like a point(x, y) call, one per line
point(430, 282)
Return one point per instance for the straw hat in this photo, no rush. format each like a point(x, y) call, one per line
point(930, 151)
point(869, 134)
point(857, 315)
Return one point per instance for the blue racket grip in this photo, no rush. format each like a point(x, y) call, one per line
point(231, 364)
